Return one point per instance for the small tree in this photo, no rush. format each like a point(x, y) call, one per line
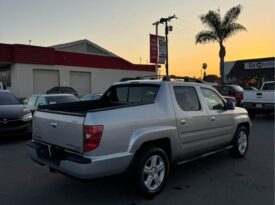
point(220, 29)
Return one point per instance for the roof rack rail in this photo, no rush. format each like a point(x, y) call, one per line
point(165, 78)
point(150, 77)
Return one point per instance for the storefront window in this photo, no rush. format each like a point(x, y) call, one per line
point(5, 75)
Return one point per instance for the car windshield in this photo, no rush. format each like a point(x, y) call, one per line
point(7, 98)
point(60, 99)
point(238, 88)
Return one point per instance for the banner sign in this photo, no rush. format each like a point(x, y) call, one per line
point(162, 50)
point(259, 65)
point(153, 48)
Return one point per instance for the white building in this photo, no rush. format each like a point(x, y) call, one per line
point(82, 65)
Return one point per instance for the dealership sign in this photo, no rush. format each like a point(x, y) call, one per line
point(153, 48)
point(157, 49)
point(259, 65)
point(162, 50)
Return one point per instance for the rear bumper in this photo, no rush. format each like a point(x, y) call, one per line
point(259, 107)
point(82, 167)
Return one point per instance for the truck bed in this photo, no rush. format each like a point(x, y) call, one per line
point(81, 107)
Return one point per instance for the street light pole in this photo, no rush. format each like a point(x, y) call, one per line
point(165, 20)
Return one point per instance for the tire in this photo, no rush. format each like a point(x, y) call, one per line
point(240, 143)
point(151, 170)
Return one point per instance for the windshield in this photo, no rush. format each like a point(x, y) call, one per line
point(7, 98)
point(61, 99)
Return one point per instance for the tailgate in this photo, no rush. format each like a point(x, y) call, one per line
point(259, 96)
point(59, 129)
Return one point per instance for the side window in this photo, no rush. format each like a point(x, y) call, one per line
point(144, 94)
point(40, 101)
point(31, 101)
point(187, 98)
point(212, 99)
point(121, 94)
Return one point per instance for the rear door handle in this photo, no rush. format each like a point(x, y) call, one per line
point(213, 118)
point(183, 122)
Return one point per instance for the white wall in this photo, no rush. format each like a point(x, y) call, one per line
point(22, 77)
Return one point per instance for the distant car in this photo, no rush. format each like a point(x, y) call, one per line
point(62, 89)
point(34, 101)
point(231, 90)
point(250, 88)
point(91, 97)
point(14, 118)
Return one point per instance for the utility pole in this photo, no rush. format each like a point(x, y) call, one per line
point(167, 29)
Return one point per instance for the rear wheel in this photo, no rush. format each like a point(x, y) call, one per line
point(151, 170)
point(240, 143)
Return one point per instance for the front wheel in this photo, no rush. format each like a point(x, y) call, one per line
point(240, 143)
point(151, 171)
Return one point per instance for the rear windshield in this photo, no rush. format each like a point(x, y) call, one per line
point(132, 93)
point(60, 99)
point(7, 98)
point(269, 86)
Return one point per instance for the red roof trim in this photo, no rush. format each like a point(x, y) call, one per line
point(49, 56)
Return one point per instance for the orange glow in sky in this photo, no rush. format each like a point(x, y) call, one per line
point(123, 27)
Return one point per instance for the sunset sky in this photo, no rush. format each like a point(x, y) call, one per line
point(123, 27)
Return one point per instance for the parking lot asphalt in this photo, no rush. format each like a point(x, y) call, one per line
point(217, 179)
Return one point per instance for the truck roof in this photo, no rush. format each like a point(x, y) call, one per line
point(165, 80)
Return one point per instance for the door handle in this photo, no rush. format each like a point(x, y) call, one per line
point(213, 118)
point(54, 124)
point(183, 122)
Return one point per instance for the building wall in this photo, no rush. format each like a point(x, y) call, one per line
point(22, 77)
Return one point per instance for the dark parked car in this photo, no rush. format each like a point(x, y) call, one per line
point(62, 89)
point(14, 118)
point(34, 101)
point(231, 90)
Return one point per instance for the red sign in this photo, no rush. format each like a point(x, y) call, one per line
point(153, 48)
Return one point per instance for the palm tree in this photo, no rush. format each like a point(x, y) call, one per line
point(220, 29)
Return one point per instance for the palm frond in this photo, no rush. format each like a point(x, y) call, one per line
point(231, 15)
point(232, 29)
point(206, 36)
point(213, 20)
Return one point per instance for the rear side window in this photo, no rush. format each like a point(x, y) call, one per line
point(133, 93)
point(187, 98)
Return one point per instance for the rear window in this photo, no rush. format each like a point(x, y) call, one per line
point(61, 99)
point(67, 89)
point(269, 86)
point(238, 88)
point(7, 98)
point(133, 93)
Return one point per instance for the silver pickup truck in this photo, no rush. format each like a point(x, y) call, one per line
point(139, 126)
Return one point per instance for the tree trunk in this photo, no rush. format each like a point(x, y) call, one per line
point(222, 54)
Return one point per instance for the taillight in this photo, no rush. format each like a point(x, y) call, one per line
point(239, 96)
point(92, 136)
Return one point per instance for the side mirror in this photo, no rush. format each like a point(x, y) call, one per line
point(230, 105)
